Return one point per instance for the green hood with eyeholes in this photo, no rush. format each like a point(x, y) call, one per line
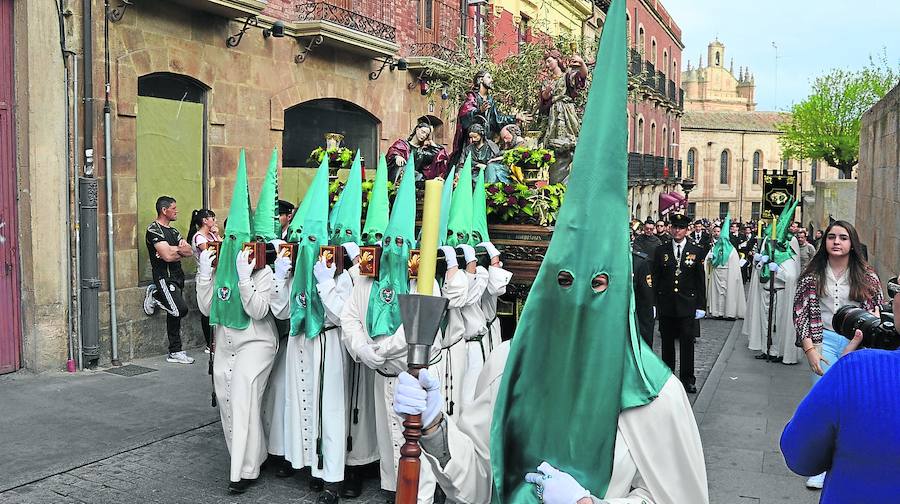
point(577, 360)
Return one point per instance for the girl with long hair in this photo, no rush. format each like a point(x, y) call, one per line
point(837, 275)
point(203, 230)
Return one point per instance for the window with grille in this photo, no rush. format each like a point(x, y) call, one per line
point(723, 209)
point(755, 210)
point(725, 161)
point(691, 163)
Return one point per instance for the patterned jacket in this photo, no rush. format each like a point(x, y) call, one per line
point(808, 313)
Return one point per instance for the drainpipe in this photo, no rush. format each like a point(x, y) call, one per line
point(76, 199)
point(88, 193)
point(110, 243)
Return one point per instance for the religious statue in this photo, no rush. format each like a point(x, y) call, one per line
point(557, 103)
point(479, 107)
point(431, 158)
point(485, 154)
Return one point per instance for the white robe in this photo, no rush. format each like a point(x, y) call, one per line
point(476, 330)
point(783, 330)
point(273, 398)
point(389, 428)
point(452, 365)
point(498, 279)
point(658, 456)
point(241, 369)
point(725, 288)
point(315, 366)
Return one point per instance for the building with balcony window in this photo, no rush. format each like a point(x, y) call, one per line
point(655, 108)
point(727, 145)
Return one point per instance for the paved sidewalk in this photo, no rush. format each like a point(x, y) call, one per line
point(741, 412)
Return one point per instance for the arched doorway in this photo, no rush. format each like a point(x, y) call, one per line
point(171, 151)
point(306, 124)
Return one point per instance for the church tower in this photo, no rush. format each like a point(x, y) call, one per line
point(715, 87)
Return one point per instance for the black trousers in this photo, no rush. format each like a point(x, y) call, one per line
point(171, 299)
point(685, 329)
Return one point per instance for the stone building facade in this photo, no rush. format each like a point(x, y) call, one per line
point(726, 144)
point(878, 189)
point(182, 106)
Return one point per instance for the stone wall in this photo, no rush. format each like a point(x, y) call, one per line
point(878, 193)
point(249, 88)
point(835, 199)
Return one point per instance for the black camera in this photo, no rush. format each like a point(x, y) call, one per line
point(878, 332)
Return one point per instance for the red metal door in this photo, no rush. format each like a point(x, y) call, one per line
point(9, 250)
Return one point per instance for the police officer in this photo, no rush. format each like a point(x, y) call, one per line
point(680, 285)
point(643, 294)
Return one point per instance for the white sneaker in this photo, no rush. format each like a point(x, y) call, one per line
point(150, 301)
point(179, 358)
point(816, 482)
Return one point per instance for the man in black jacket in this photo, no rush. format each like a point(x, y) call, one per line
point(680, 284)
point(642, 279)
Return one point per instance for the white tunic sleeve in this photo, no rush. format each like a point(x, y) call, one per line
point(280, 300)
point(256, 292)
point(498, 279)
point(334, 294)
point(353, 318)
point(665, 445)
point(477, 284)
point(205, 286)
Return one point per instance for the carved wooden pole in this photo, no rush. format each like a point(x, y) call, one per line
point(422, 314)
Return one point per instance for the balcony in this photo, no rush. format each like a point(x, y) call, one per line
point(647, 169)
point(361, 26)
point(438, 30)
point(227, 8)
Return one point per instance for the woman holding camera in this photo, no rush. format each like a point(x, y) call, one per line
point(837, 275)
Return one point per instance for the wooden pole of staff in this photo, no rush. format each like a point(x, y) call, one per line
point(772, 237)
point(410, 453)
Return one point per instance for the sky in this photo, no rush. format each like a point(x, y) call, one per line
point(812, 38)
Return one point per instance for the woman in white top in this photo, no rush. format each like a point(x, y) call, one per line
point(202, 231)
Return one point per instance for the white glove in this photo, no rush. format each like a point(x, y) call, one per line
point(555, 486)
point(699, 314)
point(322, 272)
point(450, 256)
point(654, 312)
point(282, 266)
point(757, 257)
point(774, 267)
point(418, 397)
point(490, 248)
point(368, 355)
point(352, 250)
point(205, 267)
point(468, 252)
point(764, 259)
point(244, 266)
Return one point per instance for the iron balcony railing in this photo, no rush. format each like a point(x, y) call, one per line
point(438, 29)
point(365, 16)
point(648, 168)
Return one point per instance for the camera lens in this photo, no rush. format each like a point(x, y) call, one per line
point(850, 318)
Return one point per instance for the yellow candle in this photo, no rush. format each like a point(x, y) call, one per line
point(431, 221)
point(759, 228)
point(774, 227)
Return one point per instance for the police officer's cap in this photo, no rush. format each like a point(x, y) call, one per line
point(680, 221)
point(285, 207)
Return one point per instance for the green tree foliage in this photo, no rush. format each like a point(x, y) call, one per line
point(826, 124)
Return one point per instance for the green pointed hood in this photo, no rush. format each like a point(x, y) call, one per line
point(347, 212)
point(779, 250)
point(479, 212)
point(446, 195)
point(307, 310)
point(459, 228)
point(383, 317)
point(265, 218)
point(296, 225)
point(576, 359)
point(227, 309)
point(723, 247)
point(377, 213)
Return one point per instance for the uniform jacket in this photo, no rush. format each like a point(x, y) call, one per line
point(643, 293)
point(679, 295)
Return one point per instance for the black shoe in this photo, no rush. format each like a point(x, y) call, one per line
point(351, 487)
point(239, 487)
point(690, 389)
point(761, 356)
point(328, 497)
point(316, 484)
point(776, 359)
